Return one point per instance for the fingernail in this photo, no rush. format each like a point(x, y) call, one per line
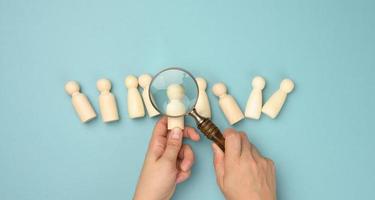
point(176, 133)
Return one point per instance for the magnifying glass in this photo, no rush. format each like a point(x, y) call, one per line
point(187, 98)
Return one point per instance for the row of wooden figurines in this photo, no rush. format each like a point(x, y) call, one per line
point(137, 103)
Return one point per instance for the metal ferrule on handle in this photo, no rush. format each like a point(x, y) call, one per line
point(209, 129)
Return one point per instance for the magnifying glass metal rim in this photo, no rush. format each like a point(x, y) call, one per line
point(167, 69)
point(205, 125)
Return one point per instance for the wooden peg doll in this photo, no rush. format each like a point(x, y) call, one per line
point(274, 104)
point(144, 81)
point(175, 108)
point(254, 103)
point(135, 104)
point(107, 101)
point(227, 104)
point(203, 104)
point(80, 102)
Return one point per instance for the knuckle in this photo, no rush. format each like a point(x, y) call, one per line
point(173, 147)
point(159, 144)
point(229, 135)
point(252, 164)
point(233, 136)
point(270, 162)
point(263, 162)
point(236, 136)
point(229, 131)
point(173, 143)
point(242, 134)
point(246, 155)
point(273, 166)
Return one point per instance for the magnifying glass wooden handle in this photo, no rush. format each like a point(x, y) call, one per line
point(209, 129)
point(213, 133)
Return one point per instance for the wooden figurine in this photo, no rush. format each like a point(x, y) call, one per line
point(274, 104)
point(80, 102)
point(254, 103)
point(203, 104)
point(175, 107)
point(144, 81)
point(107, 101)
point(227, 104)
point(135, 104)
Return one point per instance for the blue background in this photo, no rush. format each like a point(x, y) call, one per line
point(322, 142)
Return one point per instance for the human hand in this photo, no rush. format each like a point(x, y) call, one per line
point(167, 162)
point(241, 172)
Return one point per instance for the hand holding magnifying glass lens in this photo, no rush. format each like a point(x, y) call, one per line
point(174, 93)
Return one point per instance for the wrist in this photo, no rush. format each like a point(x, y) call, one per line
point(246, 197)
point(147, 198)
point(262, 196)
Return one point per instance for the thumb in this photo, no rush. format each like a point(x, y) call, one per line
point(174, 143)
point(218, 164)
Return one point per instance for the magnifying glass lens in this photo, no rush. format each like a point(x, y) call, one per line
point(174, 85)
point(174, 92)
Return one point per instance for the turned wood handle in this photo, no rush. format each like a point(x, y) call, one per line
point(210, 130)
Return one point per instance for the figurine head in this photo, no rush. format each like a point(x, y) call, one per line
point(72, 87)
point(144, 80)
point(258, 82)
point(219, 89)
point(103, 85)
point(287, 85)
point(175, 91)
point(202, 84)
point(131, 81)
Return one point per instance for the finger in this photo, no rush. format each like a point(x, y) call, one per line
point(249, 149)
point(158, 140)
point(246, 145)
point(174, 143)
point(160, 128)
point(191, 133)
point(187, 158)
point(232, 145)
point(270, 170)
point(270, 164)
point(255, 153)
point(182, 176)
point(228, 131)
point(218, 163)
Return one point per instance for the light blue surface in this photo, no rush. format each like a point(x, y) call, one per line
point(322, 142)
